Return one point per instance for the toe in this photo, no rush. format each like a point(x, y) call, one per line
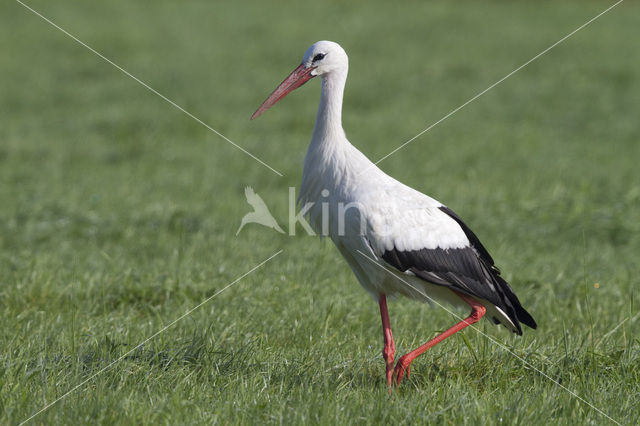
point(399, 373)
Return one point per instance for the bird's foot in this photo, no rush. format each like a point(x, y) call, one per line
point(390, 376)
point(402, 367)
point(388, 353)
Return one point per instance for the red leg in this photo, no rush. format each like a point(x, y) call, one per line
point(389, 350)
point(477, 312)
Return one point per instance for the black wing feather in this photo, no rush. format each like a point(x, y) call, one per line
point(470, 270)
point(475, 241)
point(521, 313)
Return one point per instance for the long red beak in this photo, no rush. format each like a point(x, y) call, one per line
point(297, 78)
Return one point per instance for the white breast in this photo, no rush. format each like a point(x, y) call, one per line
point(363, 210)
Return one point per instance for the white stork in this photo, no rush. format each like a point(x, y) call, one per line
point(395, 239)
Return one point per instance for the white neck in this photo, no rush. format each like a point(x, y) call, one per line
point(328, 125)
point(327, 140)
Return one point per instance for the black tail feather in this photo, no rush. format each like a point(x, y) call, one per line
point(520, 312)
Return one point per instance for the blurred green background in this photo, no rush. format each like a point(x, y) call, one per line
point(118, 213)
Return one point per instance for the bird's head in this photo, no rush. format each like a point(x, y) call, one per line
point(321, 59)
point(325, 57)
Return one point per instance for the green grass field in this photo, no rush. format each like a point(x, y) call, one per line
point(118, 213)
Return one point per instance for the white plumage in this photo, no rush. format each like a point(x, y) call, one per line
point(395, 239)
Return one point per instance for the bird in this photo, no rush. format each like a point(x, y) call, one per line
point(260, 214)
point(396, 240)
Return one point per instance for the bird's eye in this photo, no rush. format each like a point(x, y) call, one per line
point(318, 57)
